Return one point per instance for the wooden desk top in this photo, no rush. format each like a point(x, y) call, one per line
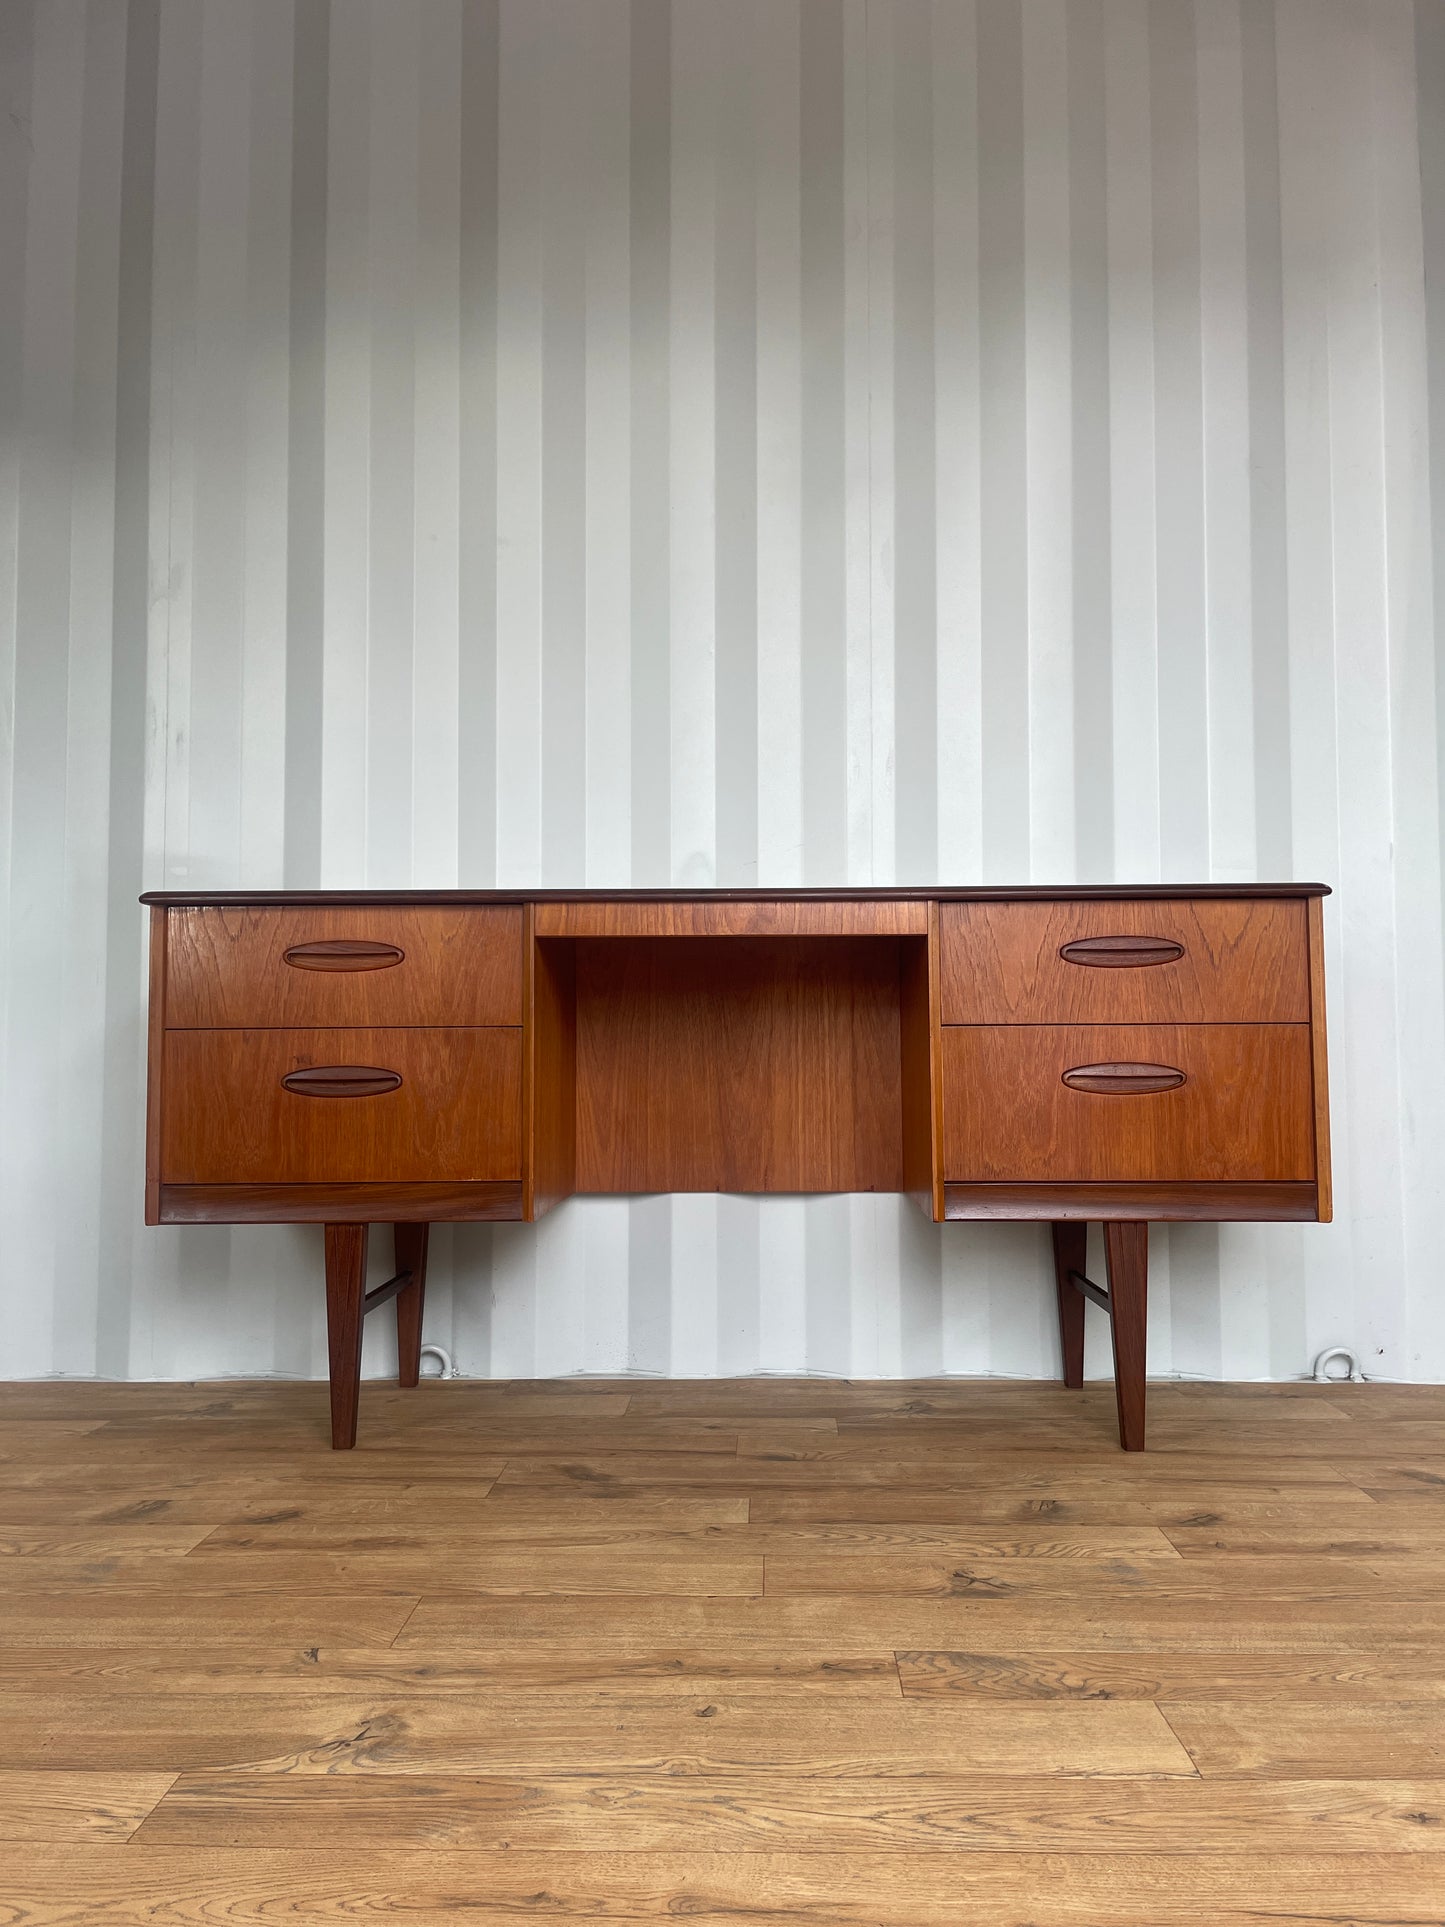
point(902, 893)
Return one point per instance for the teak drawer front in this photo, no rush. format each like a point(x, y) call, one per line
point(1243, 1111)
point(378, 964)
point(454, 1115)
point(1238, 961)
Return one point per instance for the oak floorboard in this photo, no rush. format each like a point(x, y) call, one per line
point(1130, 1620)
point(1103, 1469)
point(135, 1885)
point(1310, 1420)
point(454, 1569)
point(154, 1539)
point(1397, 1477)
point(1382, 1404)
point(510, 1537)
point(168, 1616)
point(94, 1399)
point(216, 1438)
point(246, 1671)
point(855, 1399)
point(155, 1466)
point(1313, 1741)
point(566, 1508)
point(1333, 1677)
point(1305, 1577)
point(1058, 1502)
point(519, 1732)
point(54, 1807)
point(1326, 1436)
point(1386, 1532)
point(212, 1503)
point(742, 1812)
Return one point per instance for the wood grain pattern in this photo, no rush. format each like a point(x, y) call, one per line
point(456, 1117)
point(1065, 1687)
point(1245, 1113)
point(783, 915)
point(337, 1203)
point(550, 1164)
point(1320, 1058)
point(771, 1064)
point(226, 968)
point(1242, 962)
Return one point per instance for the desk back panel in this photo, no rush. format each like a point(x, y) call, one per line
point(757, 1064)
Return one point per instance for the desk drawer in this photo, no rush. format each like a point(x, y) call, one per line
point(1179, 1103)
point(1219, 961)
point(379, 964)
point(342, 1106)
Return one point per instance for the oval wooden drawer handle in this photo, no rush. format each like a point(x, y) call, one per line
point(1121, 953)
point(341, 1080)
point(343, 953)
point(1124, 1080)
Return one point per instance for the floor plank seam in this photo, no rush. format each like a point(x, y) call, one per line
point(169, 1788)
point(415, 1608)
point(1188, 1750)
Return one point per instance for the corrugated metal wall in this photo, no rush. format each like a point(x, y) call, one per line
point(716, 441)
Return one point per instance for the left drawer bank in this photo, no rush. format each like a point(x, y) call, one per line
point(334, 1064)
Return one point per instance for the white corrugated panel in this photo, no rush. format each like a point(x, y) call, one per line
point(716, 442)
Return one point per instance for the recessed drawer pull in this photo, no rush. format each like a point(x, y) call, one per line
point(1121, 953)
point(1123, 1080)
point(341, 1080)
point(343, 953)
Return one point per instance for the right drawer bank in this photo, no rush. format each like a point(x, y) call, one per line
point(1115, 1042)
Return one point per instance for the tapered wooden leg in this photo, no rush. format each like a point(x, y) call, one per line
point(1127, 1249)
point(411, 1241)
point(1071, 1243)
point(345, 1290)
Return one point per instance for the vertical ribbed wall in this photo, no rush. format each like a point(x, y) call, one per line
point(716, 441)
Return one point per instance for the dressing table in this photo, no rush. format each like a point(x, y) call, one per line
point(1069, 1055)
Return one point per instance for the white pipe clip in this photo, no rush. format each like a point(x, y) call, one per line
point(1325, 1376)
point(444, 1359)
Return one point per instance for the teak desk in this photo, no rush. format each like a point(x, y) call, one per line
point(1070, 1055)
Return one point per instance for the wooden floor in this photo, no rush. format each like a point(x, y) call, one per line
point(801, 1652)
